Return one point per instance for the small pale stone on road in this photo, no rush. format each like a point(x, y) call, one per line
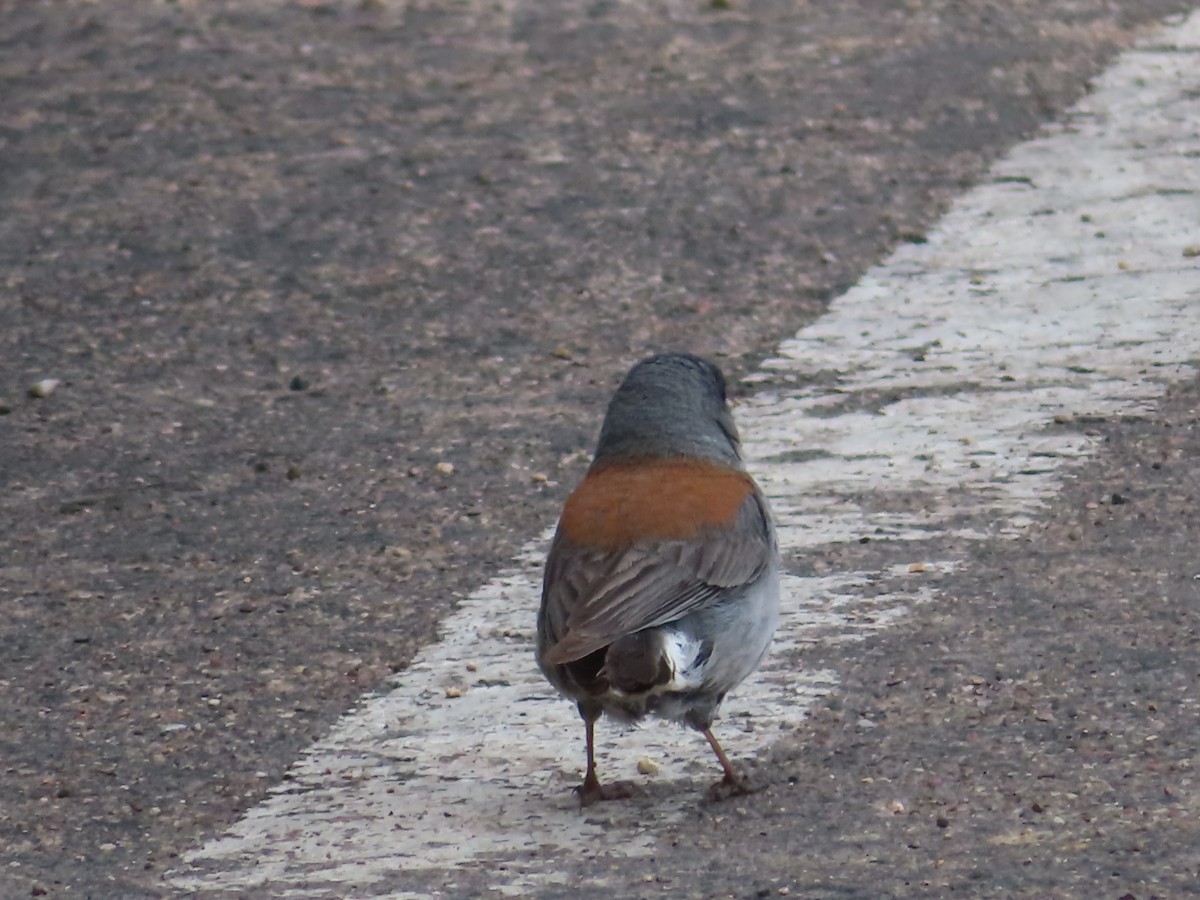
point(647, 766)
point(43, 388)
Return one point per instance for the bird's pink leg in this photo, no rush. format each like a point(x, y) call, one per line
point(732, 784)
point(592, 790)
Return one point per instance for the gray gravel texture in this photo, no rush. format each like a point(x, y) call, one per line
point(334, 295)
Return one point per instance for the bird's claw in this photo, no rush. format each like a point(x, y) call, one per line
point(735, 786)
point(613, 790)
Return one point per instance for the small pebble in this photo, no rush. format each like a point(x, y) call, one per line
point(445, 468)
point(454, 692)
point(43, 388)
point(647, 766)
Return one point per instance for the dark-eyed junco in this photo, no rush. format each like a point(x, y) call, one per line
point(661, 590)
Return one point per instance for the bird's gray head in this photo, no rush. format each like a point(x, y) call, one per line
point(672, 404)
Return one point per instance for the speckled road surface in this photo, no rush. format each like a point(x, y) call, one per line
point(933, 410)
point(334, 296)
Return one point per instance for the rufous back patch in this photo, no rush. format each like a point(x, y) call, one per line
point(652, 500)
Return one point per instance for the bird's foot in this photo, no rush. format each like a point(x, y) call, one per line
point(595, 791)
point(733, 786)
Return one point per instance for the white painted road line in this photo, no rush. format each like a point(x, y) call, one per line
point(940, 396)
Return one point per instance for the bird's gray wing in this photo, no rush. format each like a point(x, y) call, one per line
point(592, 597)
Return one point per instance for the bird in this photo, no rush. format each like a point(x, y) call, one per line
point(661, 586)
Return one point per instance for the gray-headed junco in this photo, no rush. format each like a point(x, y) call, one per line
point(661, 590)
